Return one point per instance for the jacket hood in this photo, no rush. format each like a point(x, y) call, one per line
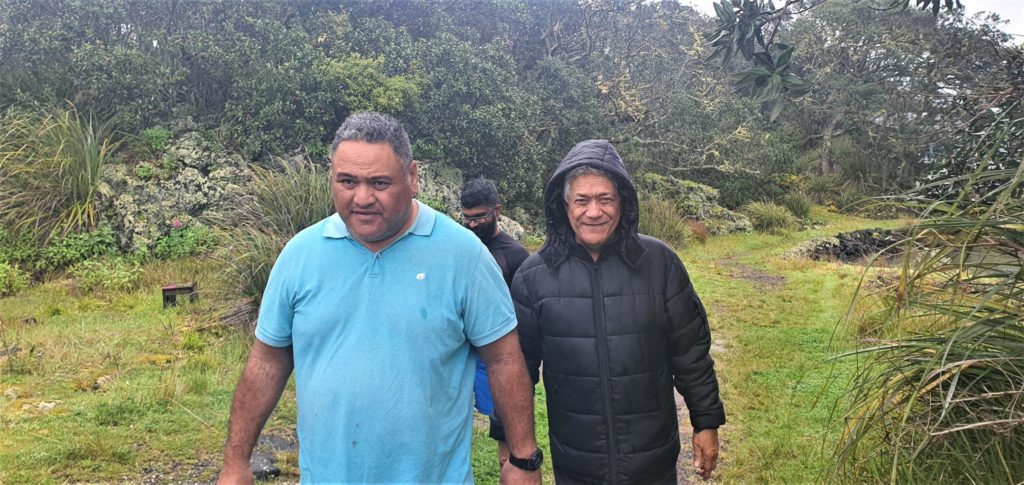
point(560, 237)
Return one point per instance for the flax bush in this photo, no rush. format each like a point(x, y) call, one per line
point(50, 169)
point(937, 397)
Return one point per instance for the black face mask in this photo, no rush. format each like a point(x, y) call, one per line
point(486, 230)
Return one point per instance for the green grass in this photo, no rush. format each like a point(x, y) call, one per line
point(169, 374)
point(775, 319)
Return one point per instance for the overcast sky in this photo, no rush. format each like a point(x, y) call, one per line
point(1012, 10)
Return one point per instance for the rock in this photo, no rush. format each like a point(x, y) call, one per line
point(145, 200)
point(440, 187)
point(262, 466)
point(512, 228)
point(693, 201)
point(102, 382)
point(850, 247)
point(264, 458)
point(42, 406)
point(808, 249)
point(12, 393)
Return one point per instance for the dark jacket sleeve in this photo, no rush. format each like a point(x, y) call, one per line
point(690, 362)
point(529, 339)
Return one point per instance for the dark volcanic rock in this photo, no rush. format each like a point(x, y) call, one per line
point(851, 247)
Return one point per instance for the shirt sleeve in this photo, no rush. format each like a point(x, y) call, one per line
point(488, 313)
point(274, 325)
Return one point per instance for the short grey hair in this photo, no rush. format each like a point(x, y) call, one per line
point(586, 170)
point(373, 127)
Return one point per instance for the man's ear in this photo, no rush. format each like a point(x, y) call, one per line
point(497, 212)
point(414, 179)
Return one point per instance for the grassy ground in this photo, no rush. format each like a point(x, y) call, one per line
point(773, 320)
point(113, 388)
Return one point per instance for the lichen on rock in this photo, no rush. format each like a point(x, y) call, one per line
point(192, 179)
point(694, 201)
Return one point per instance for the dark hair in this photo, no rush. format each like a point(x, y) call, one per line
point(375, 128)
point(479, 192)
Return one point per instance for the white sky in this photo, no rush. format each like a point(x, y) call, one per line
point(1011, 10)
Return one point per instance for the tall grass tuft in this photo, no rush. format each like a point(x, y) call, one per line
point(660, 219)
point(799, 203)
point(50, 169)
point(283, 201)
point(770, 217)
point(938, 397)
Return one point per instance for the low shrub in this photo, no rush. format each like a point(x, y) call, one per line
point(12, 279)
point(659, 219)
point(156, 139)
point(107, 274)
point(184, 242)
point(799, 203)
point(51, 169)
point(76, 248)
point(533, 242)
point(770, 217)
point(19, 250)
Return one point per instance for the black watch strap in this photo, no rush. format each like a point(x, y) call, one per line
point(530, 463)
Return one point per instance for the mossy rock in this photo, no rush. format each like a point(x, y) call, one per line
point(193, 178)
point(440, 187)
point(693, 201)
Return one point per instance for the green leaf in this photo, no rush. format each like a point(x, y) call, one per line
point(776, 109)
point(783, 59)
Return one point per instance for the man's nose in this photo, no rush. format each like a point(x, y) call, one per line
point(363, 196)
point(593, 209)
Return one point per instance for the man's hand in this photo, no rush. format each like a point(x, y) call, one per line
point(235, 475)
point(502, 453)
point(510, 475)
point(705, 452)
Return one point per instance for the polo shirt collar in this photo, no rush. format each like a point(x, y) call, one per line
point(335, 227)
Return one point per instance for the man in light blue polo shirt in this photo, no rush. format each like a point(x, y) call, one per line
point(376, 309)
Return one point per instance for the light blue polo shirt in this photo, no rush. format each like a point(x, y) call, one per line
point(383, 365)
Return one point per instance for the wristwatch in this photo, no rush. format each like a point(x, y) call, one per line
point(530, 463)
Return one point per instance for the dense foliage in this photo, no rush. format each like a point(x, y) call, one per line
point(504, 89)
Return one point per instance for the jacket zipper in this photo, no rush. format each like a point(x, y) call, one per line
point(602, 362)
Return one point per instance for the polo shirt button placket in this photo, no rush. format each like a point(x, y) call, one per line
point(375, 266)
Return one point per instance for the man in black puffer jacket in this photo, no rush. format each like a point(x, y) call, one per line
point(613, 317)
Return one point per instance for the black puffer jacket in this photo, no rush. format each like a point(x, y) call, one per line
point(613, 336)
